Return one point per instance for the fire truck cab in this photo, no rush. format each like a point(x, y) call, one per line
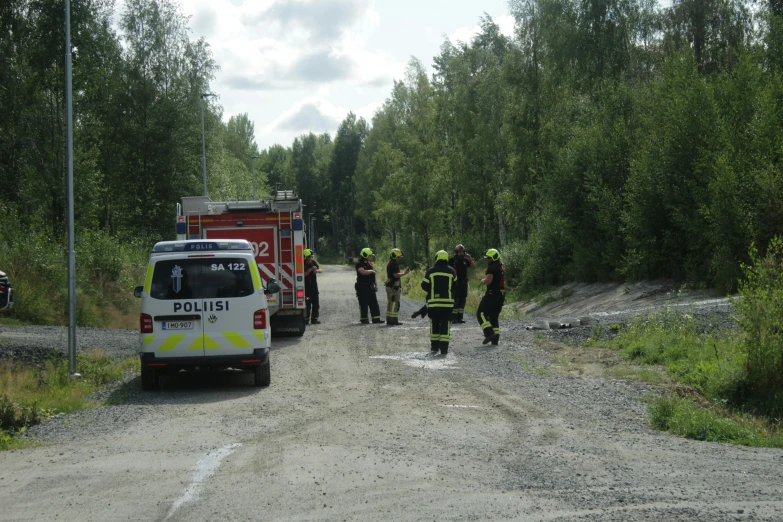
point(275, 229)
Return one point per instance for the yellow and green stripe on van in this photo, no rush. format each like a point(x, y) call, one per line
point(203, 341)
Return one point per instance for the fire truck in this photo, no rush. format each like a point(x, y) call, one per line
point(275, 229)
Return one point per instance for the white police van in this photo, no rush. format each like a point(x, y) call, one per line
point(203, 306)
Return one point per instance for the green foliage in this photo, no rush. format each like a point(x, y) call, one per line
point(683, 417)
point(711, 363)
point(604, 140)
point(759, 312)
point(28, 394)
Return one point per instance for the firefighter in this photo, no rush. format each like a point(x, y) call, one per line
point(492, 303)
point(393, 287)
point(460, 262)
point(438, 283)
point(366, 287)
point(312, 306)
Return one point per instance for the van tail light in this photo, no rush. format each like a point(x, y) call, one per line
point(145, 321)
point(259, 319)
point(300, 294)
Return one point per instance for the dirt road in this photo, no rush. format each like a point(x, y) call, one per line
point(362, 423)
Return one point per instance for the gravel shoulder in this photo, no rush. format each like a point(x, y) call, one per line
point(362, 423)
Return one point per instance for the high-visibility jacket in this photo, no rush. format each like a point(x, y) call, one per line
point(438, 283)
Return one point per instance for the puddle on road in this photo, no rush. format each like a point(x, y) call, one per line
point(427, 361)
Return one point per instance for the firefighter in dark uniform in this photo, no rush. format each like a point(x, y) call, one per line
point(438, 283)
point(393, 287)
point(366, 287)
point(492, 303)
point(312, 305)
point(460, 262)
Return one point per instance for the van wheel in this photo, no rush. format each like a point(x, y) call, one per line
point(149, 378)
point(262, 375)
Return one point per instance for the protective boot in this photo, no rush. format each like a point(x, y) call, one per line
point(444, 347)
point(315, 320)
point(434, 346)
point(495, 339)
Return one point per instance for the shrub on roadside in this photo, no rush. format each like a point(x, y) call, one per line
point(30, 393)
point(683, 417)
point(759, 313)
point(107, 269)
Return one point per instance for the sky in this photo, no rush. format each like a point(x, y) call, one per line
point(299, 66)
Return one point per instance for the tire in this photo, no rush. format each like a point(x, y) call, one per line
point(149, 378)
point(262, 375)
point(302, 326)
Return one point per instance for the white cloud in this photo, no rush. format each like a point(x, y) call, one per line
point(312, 114)
point(323, 21)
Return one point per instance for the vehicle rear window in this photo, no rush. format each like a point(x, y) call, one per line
point(201, 278)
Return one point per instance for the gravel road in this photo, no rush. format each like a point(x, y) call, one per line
point(362, 423)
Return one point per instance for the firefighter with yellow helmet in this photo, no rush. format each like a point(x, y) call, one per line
point(393, 287)
point(438, 283)
point(491, 305)
point(366, 287)
point(312, 304)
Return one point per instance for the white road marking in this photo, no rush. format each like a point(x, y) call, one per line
point(459, 406)
point(206, 466)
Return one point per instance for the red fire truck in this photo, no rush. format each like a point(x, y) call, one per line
point(275, 228)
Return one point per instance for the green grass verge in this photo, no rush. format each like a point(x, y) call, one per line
point(29, 394)
point(685, 418)
point(712, 364)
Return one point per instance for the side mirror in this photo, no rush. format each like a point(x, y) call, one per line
point(138, 291)
point(272, 287)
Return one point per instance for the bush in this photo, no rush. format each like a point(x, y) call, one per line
point(759, 313)
point(107, 269)
point(683, 417)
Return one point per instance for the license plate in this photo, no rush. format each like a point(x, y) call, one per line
point(177, 325)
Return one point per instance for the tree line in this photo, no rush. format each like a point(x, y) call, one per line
point(137, 95)
point(603, 140)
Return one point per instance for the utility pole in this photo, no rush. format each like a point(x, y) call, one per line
point(203, 143)
point(310, 230)
point(253, 173)
point(69, 160)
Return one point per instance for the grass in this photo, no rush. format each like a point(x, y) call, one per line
point(685, 418)
point(530, 367)
point(635, 373)
point(29, 394)
point(712, 365)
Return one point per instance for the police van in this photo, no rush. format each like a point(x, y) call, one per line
point(203, 306)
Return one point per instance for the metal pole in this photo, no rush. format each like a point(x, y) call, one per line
point(253, 171)
point(71, 252)
point(203, 148)
point(310, 229)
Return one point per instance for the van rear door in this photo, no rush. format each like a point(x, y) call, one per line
point(234, 306)
point(176, 307)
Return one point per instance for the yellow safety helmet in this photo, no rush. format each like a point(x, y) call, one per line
point(307, 252)
point(395, 253)
point(441, 255)
point(366, 252)
point(492, 254)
